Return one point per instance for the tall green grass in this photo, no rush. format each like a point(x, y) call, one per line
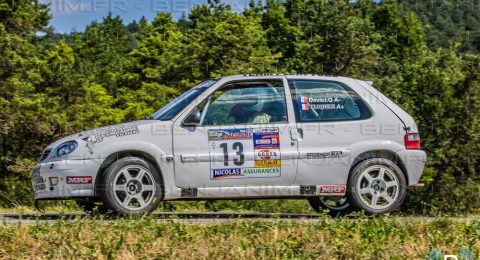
point(325, 238)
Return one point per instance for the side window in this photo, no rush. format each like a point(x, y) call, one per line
point(245, 103)
point(317, 101)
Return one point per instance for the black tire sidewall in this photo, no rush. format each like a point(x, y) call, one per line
point(354, 198)
point(107, 181)
point(317, 205)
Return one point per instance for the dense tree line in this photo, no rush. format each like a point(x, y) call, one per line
point(52, 85)
point(448, 21)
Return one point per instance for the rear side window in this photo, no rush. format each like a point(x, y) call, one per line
point(319, 101)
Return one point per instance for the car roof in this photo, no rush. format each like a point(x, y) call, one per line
point(288, 76)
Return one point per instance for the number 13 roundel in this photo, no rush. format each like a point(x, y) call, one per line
point(244, 153)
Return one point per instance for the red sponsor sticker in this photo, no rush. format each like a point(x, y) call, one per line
point(267, 154)
point(79, 179)
point(332, 189)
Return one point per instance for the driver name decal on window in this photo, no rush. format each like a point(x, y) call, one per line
point(244, 153)
point(321, 103)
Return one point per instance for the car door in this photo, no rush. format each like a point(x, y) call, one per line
point(329, 118)
point(241, 139)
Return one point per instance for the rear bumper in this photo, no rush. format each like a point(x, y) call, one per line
point(75, 178)
point(414, 161)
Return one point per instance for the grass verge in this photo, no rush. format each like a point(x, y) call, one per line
point(326, 238)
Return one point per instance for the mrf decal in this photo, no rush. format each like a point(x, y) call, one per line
point(79, 180)
point(244, 153)
point(338, 190)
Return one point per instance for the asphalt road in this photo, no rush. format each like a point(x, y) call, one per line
point(203, 217)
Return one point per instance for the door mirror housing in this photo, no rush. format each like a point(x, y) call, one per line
point(193, 119)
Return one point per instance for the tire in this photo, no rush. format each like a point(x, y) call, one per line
point(336, 206)
point(124, 192)
point(376, 186)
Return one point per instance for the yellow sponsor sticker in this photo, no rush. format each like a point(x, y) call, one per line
point(267, 163)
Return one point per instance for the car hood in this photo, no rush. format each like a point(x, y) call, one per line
point(87, 133)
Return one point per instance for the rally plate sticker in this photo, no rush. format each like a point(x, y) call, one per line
point(244, 153)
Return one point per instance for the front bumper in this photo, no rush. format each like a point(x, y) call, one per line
point(75, 178)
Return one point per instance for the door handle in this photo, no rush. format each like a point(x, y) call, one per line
point(296, 134)
point(188, 157)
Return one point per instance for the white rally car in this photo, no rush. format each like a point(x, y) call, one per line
point(334, 140)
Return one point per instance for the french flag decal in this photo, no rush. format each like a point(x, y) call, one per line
point(303, 103)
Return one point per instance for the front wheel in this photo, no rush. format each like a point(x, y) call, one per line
point(336, 206)
point(376, 186)
point(131, 185)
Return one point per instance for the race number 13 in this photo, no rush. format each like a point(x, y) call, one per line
point(237, 147)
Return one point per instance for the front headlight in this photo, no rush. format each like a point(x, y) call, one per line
point(66, 148)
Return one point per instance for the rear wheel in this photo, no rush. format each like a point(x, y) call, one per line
point(376, 186)
point(336, 206)
point(131, 185)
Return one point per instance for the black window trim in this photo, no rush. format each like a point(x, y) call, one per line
point(293, 96)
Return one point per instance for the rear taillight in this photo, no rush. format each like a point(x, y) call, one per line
point(412, 141)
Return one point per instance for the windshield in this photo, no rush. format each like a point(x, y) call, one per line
point(171, 109)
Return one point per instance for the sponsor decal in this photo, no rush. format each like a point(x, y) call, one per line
point(118, 132)
point(261, 171)
point(330, 154)
point(244, 153)
point(98, 137)
point(229, 134)
point(36, 171)
point(219, 173)
point(332, 189)
point(267, 163)
point(79, 180)
point(266, 138)
point(37, 180)
point(267, 154)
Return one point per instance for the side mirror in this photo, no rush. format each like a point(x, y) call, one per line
point(193, 119)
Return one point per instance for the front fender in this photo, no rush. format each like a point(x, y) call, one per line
point(152, 150)
point(141, 147)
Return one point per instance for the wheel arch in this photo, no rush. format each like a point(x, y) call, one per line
point(386, 154)
point(109, 160)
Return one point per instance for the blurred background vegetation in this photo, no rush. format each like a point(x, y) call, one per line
point(422, 54)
